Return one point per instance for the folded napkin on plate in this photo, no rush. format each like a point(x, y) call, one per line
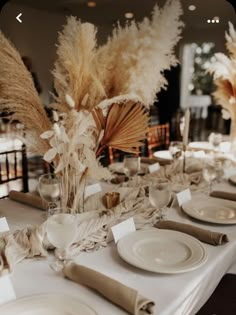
point(29, 199)
point(213, 238)
point(118, 293)
point(223, 194)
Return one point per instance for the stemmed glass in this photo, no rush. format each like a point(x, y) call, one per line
point(61, 229)
point(176, 148)
point(50, 189)
point(209, 174)
point(131, 165)
point(160, 194)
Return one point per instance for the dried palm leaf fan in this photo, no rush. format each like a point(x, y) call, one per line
point(124, 126)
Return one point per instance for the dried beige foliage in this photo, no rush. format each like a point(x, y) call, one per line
point(19, 97)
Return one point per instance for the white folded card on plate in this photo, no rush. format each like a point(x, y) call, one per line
point(184, 196)
point(92, 189)
point(4, 227)
point(154, 167)
point(122, 229)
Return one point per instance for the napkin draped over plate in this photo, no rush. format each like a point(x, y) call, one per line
point(118, 293)
point(213, 238)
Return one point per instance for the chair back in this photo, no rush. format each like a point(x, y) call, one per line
point(158, 137)
point(117, 155)
point(13, 166)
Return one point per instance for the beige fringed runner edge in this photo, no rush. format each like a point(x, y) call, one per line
point(118, 293)
point(213, 238)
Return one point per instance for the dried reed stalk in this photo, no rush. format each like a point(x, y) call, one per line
point(19, 97)
point(76, 72)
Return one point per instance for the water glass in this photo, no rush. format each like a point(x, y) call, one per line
point(50, 189)
point(160, 194)
point(61, 227)
point(209, 174)
point(176, 148)
point(131, 165)
point(215, 139)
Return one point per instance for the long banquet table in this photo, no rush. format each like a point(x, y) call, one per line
point(174, 294)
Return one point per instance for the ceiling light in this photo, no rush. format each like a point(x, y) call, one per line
point(217, 19)
point(91, 4)
point(212, 21)
point(208, 21)
point(192, 7)
point(129, 15)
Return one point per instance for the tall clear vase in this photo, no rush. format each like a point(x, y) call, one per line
point(233, 137)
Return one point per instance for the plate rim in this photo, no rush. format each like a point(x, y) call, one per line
point(207, 219)
point(44, 295)
point(203, 258)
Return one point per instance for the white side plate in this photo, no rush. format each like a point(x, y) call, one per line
point(162, 251)
point(214, 210)
point(51, 304)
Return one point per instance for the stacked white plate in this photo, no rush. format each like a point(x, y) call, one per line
point(51, 304)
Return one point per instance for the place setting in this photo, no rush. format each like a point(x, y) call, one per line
point(117, 157)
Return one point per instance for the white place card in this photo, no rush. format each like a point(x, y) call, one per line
point(92, 189)
point(230, 171)
point(7, 292)
point(184, 196)
point(122, 229)
point(4, 227)
point(154, 167)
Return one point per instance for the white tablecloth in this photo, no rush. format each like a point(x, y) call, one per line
point(174, 294)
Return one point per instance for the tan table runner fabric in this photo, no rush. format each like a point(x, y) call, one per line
point(118, 293)
point(213, 238)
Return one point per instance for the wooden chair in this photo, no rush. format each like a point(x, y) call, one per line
point(13, 166)
point(158, 137)
point(117, 155)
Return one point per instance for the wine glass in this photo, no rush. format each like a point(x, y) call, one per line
point(160, 194)
point(176, 148)
point(131, 165)
point(215, 139)
point(61, 229)
point(209, 174)
point(50, 189)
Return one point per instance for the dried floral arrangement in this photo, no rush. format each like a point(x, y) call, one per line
point(102, 93)
point(224, 70)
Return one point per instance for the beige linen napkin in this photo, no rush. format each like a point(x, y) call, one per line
point(213, 238)
point(29, 199)
point(154, 160)
point(223, 194)
point(116, 292)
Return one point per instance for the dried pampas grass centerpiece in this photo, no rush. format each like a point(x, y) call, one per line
point(224, 71)
point(102, 94)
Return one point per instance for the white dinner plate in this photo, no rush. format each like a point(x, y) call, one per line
point(50, 304)
point(162, 251)
point(201, 145)
point(213, 210)
point(164, 155)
